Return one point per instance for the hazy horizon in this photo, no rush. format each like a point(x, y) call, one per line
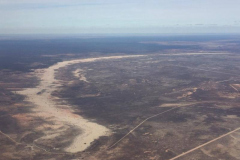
point(119, 17)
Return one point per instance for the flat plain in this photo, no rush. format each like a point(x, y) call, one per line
point(176, 103)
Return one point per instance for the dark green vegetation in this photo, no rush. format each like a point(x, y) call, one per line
point(201, 90)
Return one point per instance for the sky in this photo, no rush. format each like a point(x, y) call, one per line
point(119, 16)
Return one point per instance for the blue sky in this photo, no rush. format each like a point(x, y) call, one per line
point(119, 16)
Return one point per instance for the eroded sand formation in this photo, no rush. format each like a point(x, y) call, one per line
point(79, 74)
point(46, 106)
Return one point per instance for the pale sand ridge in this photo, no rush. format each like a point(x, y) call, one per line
point(45, 104)
point(79, 74)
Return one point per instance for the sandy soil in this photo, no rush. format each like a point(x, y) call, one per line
point(79, 73)
point(46, 105)
point(200, 146)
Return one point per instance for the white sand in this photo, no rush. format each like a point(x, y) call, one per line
point(45, 105)
point(79, 74)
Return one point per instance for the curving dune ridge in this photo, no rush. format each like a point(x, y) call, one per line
point(45, 104)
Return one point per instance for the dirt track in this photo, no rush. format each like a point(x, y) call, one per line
point(198, 147)
point(46, 104)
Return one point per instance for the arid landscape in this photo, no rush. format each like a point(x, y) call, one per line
point(173, 99)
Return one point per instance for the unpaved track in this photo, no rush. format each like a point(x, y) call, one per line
point(46, 105)
point(234, 88)
point(196, 148)
point(9, 138)
point(140, 125)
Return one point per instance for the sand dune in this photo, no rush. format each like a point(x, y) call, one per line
point(45, 104)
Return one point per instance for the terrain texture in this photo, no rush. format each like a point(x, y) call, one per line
point(176, 104)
